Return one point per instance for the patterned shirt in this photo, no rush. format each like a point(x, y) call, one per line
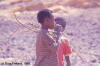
point(46, 48)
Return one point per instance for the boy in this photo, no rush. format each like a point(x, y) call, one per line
point(64, 48)
point(46, 45)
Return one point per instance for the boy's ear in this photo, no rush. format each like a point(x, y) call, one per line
point(47, 19)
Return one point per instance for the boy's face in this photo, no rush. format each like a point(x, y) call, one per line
point(50, 22)
point(60, 23)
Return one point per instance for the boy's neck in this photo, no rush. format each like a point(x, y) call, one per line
point(44, 27)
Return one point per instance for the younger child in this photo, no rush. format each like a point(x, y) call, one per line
point(64, 49)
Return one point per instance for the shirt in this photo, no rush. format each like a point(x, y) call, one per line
point(46, 49)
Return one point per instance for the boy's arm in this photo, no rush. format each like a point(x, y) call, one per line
point(68, 63)
point(50, 42)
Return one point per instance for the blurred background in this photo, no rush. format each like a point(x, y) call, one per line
point(19, 26)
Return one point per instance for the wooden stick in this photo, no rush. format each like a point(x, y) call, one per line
point(79, 56)
point(90, 53)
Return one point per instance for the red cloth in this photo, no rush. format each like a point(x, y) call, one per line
point(64, 49)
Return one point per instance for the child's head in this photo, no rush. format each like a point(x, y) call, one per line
point(61, 21)
point(45, 18)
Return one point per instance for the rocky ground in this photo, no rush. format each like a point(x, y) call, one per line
point(17, 39)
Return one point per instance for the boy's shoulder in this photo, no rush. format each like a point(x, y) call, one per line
point(64, 37)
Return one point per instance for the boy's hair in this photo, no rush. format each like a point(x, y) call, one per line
point(61, 20)
point(45, 13)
